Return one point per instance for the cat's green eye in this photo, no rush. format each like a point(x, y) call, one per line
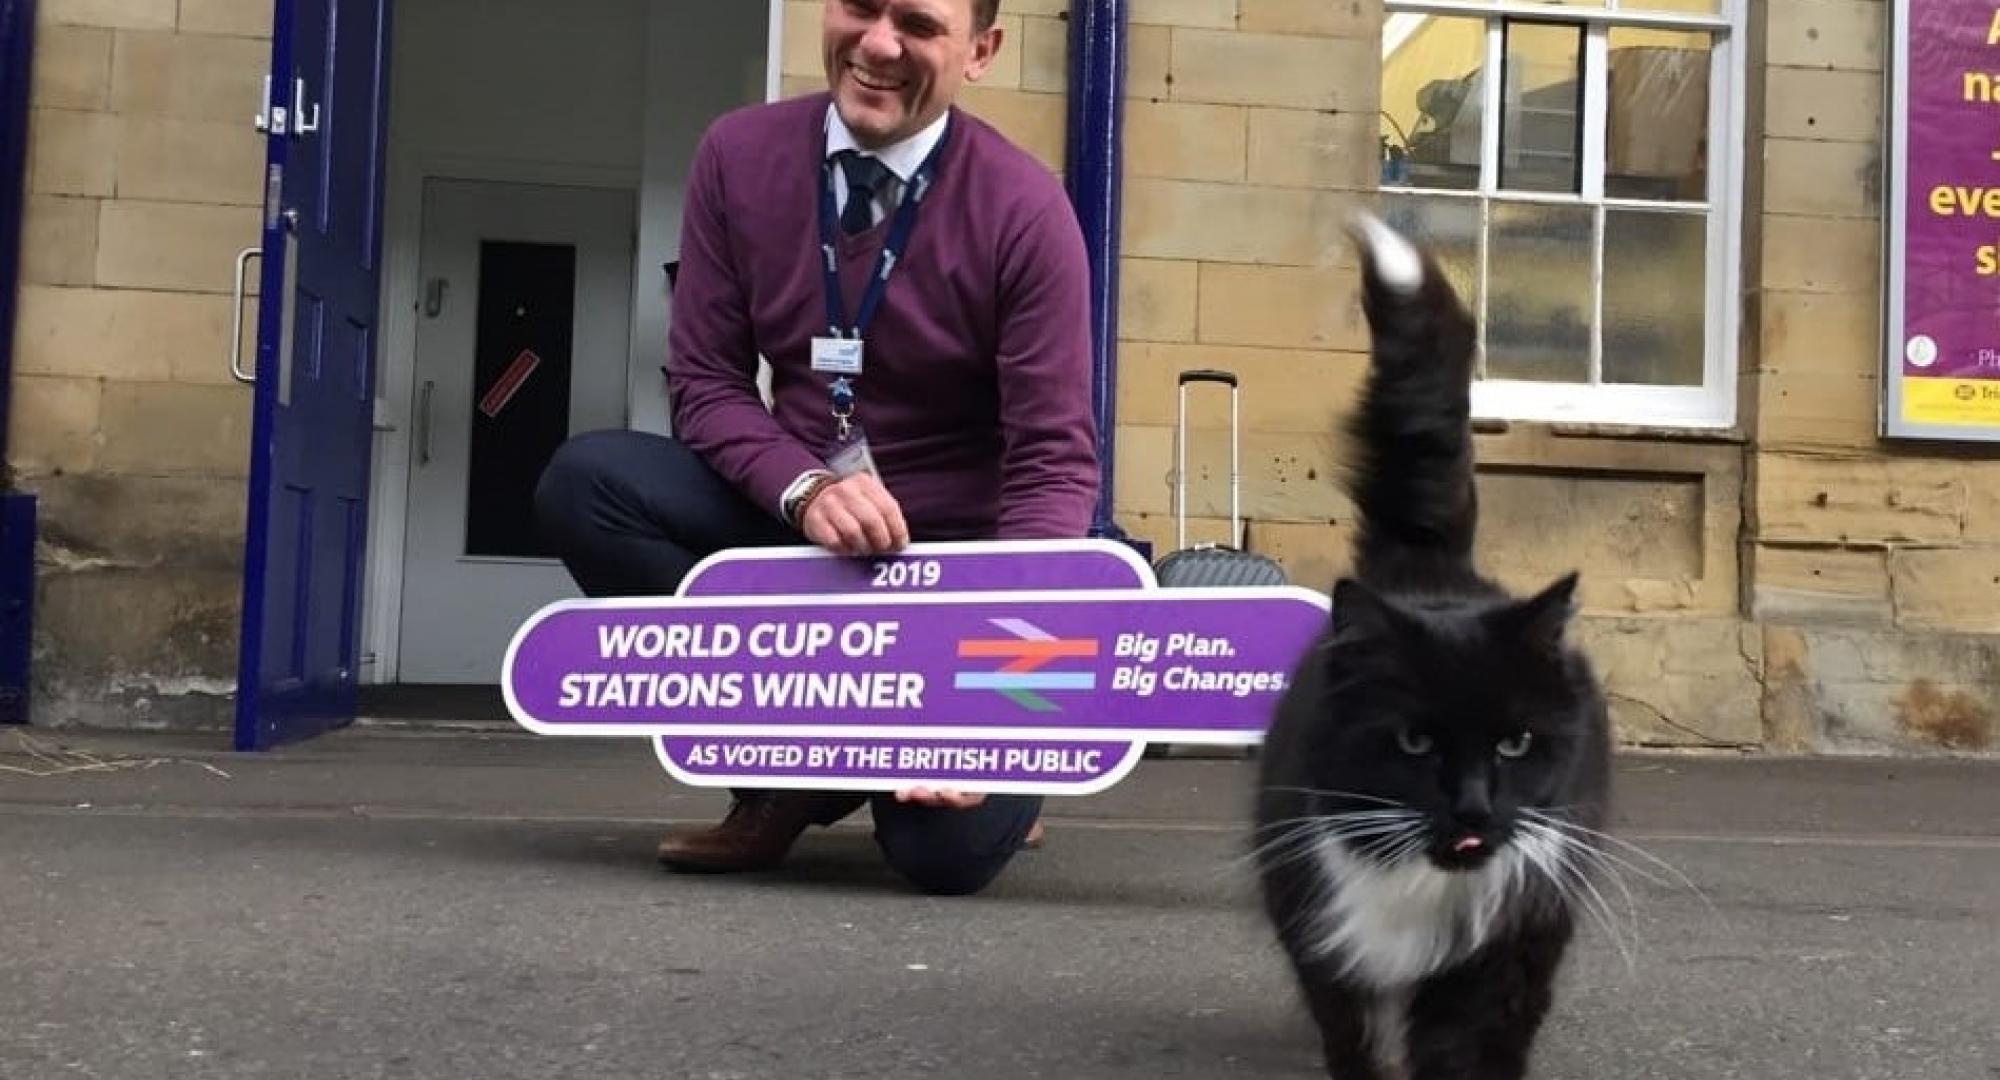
point(1413, 742)
point(1514, 746)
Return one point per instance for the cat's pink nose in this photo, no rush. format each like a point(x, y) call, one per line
point(1467, 843)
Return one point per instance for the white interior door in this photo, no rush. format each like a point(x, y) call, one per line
point(523, 329)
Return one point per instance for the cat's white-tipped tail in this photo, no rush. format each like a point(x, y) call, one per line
point(1394, 258)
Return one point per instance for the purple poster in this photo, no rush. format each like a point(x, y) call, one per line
point(1039, 667)
point(1159, 664)
point(1942, 375)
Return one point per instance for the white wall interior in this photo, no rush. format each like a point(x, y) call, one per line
point(701, 61)
point(519, 80)
point(600, 93)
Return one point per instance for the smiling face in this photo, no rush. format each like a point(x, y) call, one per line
point(896, 65)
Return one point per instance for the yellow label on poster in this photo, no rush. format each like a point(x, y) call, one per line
point(1951, 401)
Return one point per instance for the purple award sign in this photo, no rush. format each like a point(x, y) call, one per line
point(725, 761)
point(1185, 665)
point(1051, 690)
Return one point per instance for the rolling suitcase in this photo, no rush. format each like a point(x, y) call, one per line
point(1212, 565)
point(1208, 566)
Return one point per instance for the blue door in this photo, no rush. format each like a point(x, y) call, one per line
point(314, 379)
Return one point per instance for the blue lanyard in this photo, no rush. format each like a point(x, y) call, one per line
point(892, 248)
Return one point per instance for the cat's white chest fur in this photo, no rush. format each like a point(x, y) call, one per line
point(1390, 926)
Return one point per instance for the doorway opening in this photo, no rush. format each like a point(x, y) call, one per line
point(535, 161)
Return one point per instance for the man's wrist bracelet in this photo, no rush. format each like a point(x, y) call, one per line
point(804, 490)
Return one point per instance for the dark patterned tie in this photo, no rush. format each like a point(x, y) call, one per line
point(864, 180)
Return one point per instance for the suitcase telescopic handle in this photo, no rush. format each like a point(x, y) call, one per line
point(1226, 378)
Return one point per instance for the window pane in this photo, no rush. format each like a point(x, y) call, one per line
point(1538, 315)
point(1541, 108)
point(1655, 293)
point(1656, 122)
point(1432, 76)
point(1449, 228)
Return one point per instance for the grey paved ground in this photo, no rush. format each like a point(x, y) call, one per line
point(377, 906)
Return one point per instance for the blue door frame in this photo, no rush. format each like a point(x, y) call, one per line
point(1093, 165)
point(17, 510)
point(311, 426)
point(17, 51)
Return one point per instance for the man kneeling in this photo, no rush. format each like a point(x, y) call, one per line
point(919, 288)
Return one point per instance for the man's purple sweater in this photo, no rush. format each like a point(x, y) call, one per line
point(975, 395)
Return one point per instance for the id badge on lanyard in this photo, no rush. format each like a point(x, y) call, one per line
point(841, 352)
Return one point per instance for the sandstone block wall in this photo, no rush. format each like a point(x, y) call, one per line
point(142, 186)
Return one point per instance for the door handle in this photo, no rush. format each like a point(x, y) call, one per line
point(301, 123)
point(424, 423)
point(236, 332)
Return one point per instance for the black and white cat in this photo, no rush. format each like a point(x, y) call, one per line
point(1433, 782)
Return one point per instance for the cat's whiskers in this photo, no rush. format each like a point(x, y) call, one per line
point(1338, 827)
point(1302, 835)
point(1295, 847)
point(1355, 817)
point(1595, 860)
point(1606, 863)
point(1413, 844)
point(1394, 847)
point(1556, 856)
point(1373, 824)
point(1579, 849)
point(1609, 919)
point(1565, 825)
point(1345, 822)
point(1555, 818)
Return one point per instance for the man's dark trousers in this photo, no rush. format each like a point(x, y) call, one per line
point(631, 513)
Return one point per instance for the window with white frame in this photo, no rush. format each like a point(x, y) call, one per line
point(1574, 167)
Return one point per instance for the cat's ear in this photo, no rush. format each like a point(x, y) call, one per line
point(1542, 620)
point(1359, 614)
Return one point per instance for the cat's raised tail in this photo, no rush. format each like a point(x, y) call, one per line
point(1410, 472)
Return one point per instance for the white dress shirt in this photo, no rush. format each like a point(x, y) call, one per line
point(900, 158)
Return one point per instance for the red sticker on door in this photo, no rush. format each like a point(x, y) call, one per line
point(509, 383)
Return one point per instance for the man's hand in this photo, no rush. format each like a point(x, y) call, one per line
point(941, 797)
point(856, 516)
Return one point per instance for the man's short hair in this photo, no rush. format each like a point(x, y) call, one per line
point(984, 12)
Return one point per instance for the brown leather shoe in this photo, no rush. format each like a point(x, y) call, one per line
point(760, 828)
